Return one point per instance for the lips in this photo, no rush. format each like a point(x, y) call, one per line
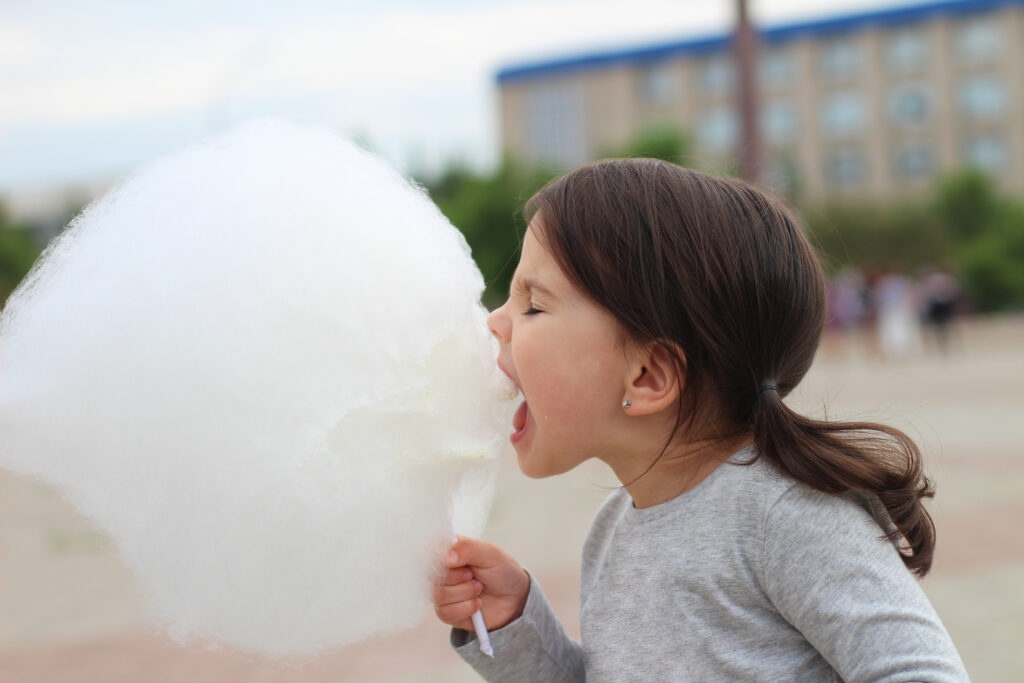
point(508, 374)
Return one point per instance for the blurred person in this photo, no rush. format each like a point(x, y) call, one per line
point(896, 315)
point(870, 321)
point(650, 302)
point(940, 294)
point(846, 308)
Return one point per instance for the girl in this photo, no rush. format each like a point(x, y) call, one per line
point(657, 318)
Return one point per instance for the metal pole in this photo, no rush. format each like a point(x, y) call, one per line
point(746, 49)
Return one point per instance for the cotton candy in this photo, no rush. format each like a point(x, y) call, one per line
point(261, 365)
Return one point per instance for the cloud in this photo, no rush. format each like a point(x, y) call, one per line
point(19, 46)
point(124, 72)
point(407, 74)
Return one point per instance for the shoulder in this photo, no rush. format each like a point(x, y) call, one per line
point(819, 538)
point(802, 509)
point(791, 527)
point(760, 491)
point(747, 490)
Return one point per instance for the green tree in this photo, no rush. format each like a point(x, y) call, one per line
point(966, 203)
point(878, 237)
point(660, 141)
point(18, 251)
point(488, 209)
point(987, 233)
point(991, 262)
point(663, 141)
point(966, 224)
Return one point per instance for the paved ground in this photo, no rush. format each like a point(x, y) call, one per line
point(69, 612)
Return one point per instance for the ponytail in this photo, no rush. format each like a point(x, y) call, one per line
point(864, 457)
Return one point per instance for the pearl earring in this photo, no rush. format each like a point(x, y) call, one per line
point(626, 404)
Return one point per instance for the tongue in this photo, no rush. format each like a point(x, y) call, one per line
point(519, 419)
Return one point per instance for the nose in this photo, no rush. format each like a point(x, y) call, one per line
point(499, 324)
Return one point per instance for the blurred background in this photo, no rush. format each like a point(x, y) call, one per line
point(895, 129)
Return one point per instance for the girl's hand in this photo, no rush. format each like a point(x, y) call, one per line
point(482, 576)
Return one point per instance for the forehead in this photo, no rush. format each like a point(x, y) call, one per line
point(537, 269)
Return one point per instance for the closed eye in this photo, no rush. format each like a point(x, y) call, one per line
point(532, 311)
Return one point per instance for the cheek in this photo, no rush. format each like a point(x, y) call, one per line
point(572, 384)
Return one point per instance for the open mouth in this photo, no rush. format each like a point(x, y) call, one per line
point(519, 423)
point(519, 419)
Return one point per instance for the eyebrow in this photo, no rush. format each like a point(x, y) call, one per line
point(530, 285)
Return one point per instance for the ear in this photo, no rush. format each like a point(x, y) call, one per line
point(652, 385)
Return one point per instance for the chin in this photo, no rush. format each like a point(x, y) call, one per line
point(530, 471)
point(538, 467)
point(530, 466)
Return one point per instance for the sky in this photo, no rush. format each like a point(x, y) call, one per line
point(90, 90)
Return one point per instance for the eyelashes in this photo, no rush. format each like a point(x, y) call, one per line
point(532, 311)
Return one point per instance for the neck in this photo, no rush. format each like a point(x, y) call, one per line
point(678, 470)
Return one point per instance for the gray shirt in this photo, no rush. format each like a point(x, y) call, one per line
point(748, 576)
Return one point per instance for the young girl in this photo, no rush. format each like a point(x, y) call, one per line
point(657, 318)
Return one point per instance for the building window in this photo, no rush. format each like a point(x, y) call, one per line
point(910, 105)
point(659, 84)
point(979, 39)
point(982, 97)
point(906, 50)
point(914, 160)
point(718, 130)
point(716, 75)
point(775, 69)
point(840, 60)
point(845, 167)
point(843, 114)
point(555, 125)
point(986, 152)
point(778, 122)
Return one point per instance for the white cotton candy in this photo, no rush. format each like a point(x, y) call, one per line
point(261, 365)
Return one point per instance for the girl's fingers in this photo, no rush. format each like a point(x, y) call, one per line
point(458, 614)
point(457, 598)
point(448, 595)
point(456, 576)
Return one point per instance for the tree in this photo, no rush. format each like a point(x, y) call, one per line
point(966, 203)
point(966, 225)
point(879, 237)
point(659, 141)
point(488, 209)
point(18, 251)
point(991, 261)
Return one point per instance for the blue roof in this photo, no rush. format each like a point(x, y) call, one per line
point(773, 35)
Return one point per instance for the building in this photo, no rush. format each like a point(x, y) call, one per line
point(873, 105)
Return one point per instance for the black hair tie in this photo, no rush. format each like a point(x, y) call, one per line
point(767, 386)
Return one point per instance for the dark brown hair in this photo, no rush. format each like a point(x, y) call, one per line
point(723, 276)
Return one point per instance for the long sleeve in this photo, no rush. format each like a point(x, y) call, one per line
point(832, 576)
point(532, 648)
